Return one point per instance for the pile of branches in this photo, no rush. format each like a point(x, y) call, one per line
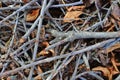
point(59, 39)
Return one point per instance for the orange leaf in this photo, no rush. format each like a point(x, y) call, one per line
point(32, 15)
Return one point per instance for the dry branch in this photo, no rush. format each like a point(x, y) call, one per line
point(83, 34)
point(92, 47)
point(72, 35)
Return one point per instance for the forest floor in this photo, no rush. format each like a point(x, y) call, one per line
point(60, 40)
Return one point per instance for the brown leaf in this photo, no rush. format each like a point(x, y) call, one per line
point(73, 13)
point(45, 44)
point(22, 40)
point(44, 52)
point(32, 15)
point(113, 72)
point(78, 8)
point(40, 71)
point(116, 46)
point(105, 71)
point(114, 63)
point(71, 16)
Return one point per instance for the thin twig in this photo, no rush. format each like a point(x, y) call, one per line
point(20, 9)
point(13, 37)
point(76, 67)
point(65, 62)
point(90, 73)
point(92, 47)
point(37, 37)
point(71, 4)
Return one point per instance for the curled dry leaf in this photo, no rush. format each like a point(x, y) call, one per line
point(73, 13)
point(44, 52)
point(32, 15)
point(110, 49)
point(113, 72)
point(107, 71)
point(40, 71)
point(114, 64)
point(104, 70)
point(71, 16)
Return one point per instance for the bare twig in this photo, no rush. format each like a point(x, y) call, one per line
point(65, 62)
point(13, 37)
point(44, 7)
point(71, 4)
point(101, 22)
point(92, 47)
point(20, 9)
point(24, 37)
point(90, 73)
point(37, 37)
point(76, 67)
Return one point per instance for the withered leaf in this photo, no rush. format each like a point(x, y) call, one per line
point(73, 13)
point(105, 70)
point(44, 52)
point(116, 46)
point(78, 8)
point(71, 16)
point(40, 71)
point(32, 15)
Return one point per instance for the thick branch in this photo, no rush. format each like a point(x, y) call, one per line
point(72, 35)
point(84, 34)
